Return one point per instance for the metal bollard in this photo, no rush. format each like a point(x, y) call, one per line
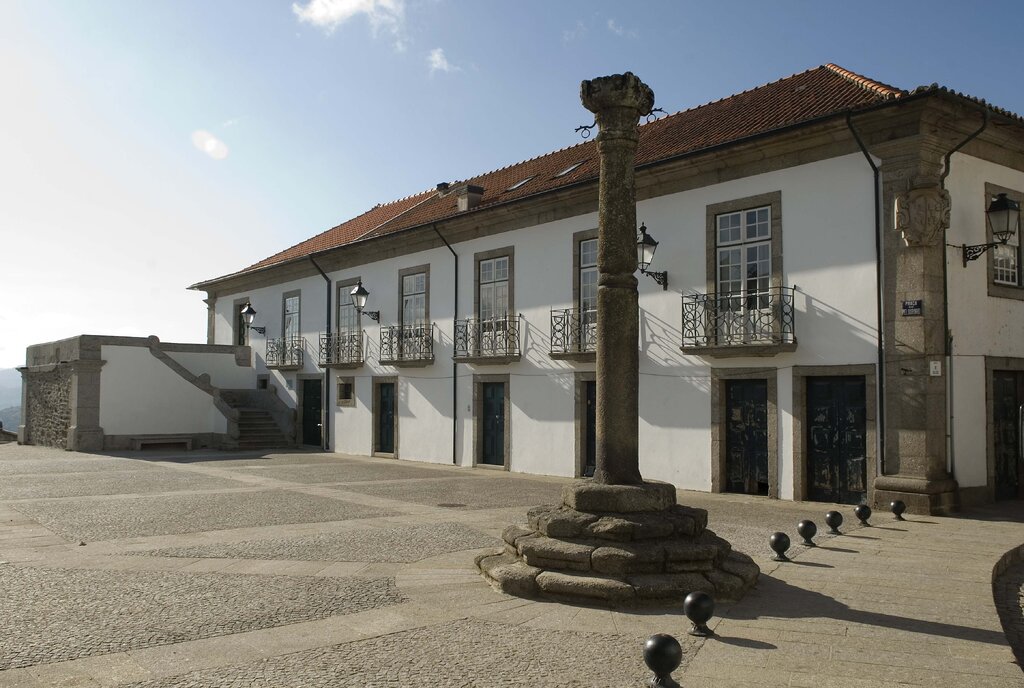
point(807, 530)
point(779, 542)
point(663, 654)
point(833, 520)
point(863, 513)
point(699, 607)
point(898, 507)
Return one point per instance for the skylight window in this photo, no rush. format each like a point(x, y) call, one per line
point(519, 183)
point(569, 169)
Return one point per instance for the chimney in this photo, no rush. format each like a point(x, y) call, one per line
point(469, 196)
point(442, 188)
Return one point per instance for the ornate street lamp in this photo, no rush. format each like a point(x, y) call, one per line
point(359, 295)
point(249, 315)
point(645, 248)
point(1003, 220)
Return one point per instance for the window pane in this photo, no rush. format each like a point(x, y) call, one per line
point(486, 270)
point(501, 268)
point(348, 319)
point(588, 253)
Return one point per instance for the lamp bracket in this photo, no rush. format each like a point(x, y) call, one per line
point(372, 315)
point(659, 277)
point(976, 251)
point(260, 330)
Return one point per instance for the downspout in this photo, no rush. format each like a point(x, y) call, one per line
point(950, 445)
point(455, 362)
point(880, 385)
point(325, 442)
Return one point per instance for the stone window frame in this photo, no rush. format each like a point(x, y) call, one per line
point(343, 401)
point(376, 381)
point(719, 376)
point(506, 251)
point(580, 410)
point(998, 290)
point(402, 274)
point(772, 199)
point(284, 299)
point(800, 374)
point(478, 408)
point(236, 322)
point(992, 364)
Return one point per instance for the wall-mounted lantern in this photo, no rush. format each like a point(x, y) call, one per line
point(359, 295)
point(1003, 220)
point(645, 248)
point(249, 315)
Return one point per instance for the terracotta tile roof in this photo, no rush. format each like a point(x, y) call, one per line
point(816, 93)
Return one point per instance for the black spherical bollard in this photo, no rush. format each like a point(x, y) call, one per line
point(863, 513)
point(833, 520)
point(699, 607)
point(779, 542)
point(807, 530)
point(898, 507)
point(663, 654)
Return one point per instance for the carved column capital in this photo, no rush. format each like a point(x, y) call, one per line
point(922, 215)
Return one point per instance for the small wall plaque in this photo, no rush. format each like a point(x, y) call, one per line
point(911, 308)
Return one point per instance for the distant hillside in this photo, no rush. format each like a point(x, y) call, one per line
point(10, 388)
point(10, 418)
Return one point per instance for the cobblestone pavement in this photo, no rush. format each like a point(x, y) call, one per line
point(498, 655)
point(345, 473)
point(53, 615)
point(397, 544)
point(106, 519)
point(470, 493)
point(305, 569)
point(29, 486)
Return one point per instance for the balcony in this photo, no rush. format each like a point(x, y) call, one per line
point(407, 345)
point(341, 350)
point(285, 353)
point(494, 340)
point(573, 334)
point(729, 325)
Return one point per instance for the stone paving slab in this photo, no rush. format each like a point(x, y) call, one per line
point(470, 493)
point(394, 544)
point(90, 520)
point(108, 482)
point(55, 615)
point(350, 472)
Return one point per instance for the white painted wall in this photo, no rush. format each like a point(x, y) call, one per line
point(829, 254)
point(981, 325)
point(224, 371)
point(139, 394)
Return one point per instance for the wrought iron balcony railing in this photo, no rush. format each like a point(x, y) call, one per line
point(341, 349)
point(573, 331)
point(490, 338)
point(407, 343)
point(746, 319)
point(285, 352)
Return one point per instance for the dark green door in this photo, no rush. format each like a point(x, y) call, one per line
point(836, 439)
point(1007, 397)
point(590, 428)
point(492, 450)
point(386, 418)
point(312, 407)
point(746, 443)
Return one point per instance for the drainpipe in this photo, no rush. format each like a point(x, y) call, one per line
point(880, 386)
point(950, 446)
point(455, 363)
point(325, 442)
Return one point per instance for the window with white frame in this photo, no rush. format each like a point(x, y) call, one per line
point(744, 271)
point(290, 326)
point(414, 299)
point(588, 281)
point(1006, 262)
point(493, 289)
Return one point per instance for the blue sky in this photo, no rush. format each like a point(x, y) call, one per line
point(145, 146)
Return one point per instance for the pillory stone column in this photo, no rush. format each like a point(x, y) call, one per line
point(617, 101)
point(615, 539)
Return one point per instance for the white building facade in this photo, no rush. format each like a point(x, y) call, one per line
point(819, 336)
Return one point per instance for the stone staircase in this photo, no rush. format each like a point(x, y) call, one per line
point(257, 429)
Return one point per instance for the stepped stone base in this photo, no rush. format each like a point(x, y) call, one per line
point(617, 545)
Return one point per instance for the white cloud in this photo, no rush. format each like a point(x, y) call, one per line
point(579, 31)
point(209, 144)
point(439, 63)
point(621, 31)
point(383, 15)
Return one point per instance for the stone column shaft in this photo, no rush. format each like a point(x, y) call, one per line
point(617, 103)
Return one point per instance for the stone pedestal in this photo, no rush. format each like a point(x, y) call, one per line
point(618, 545)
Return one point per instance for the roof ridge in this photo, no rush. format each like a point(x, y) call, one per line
point(884, 90)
